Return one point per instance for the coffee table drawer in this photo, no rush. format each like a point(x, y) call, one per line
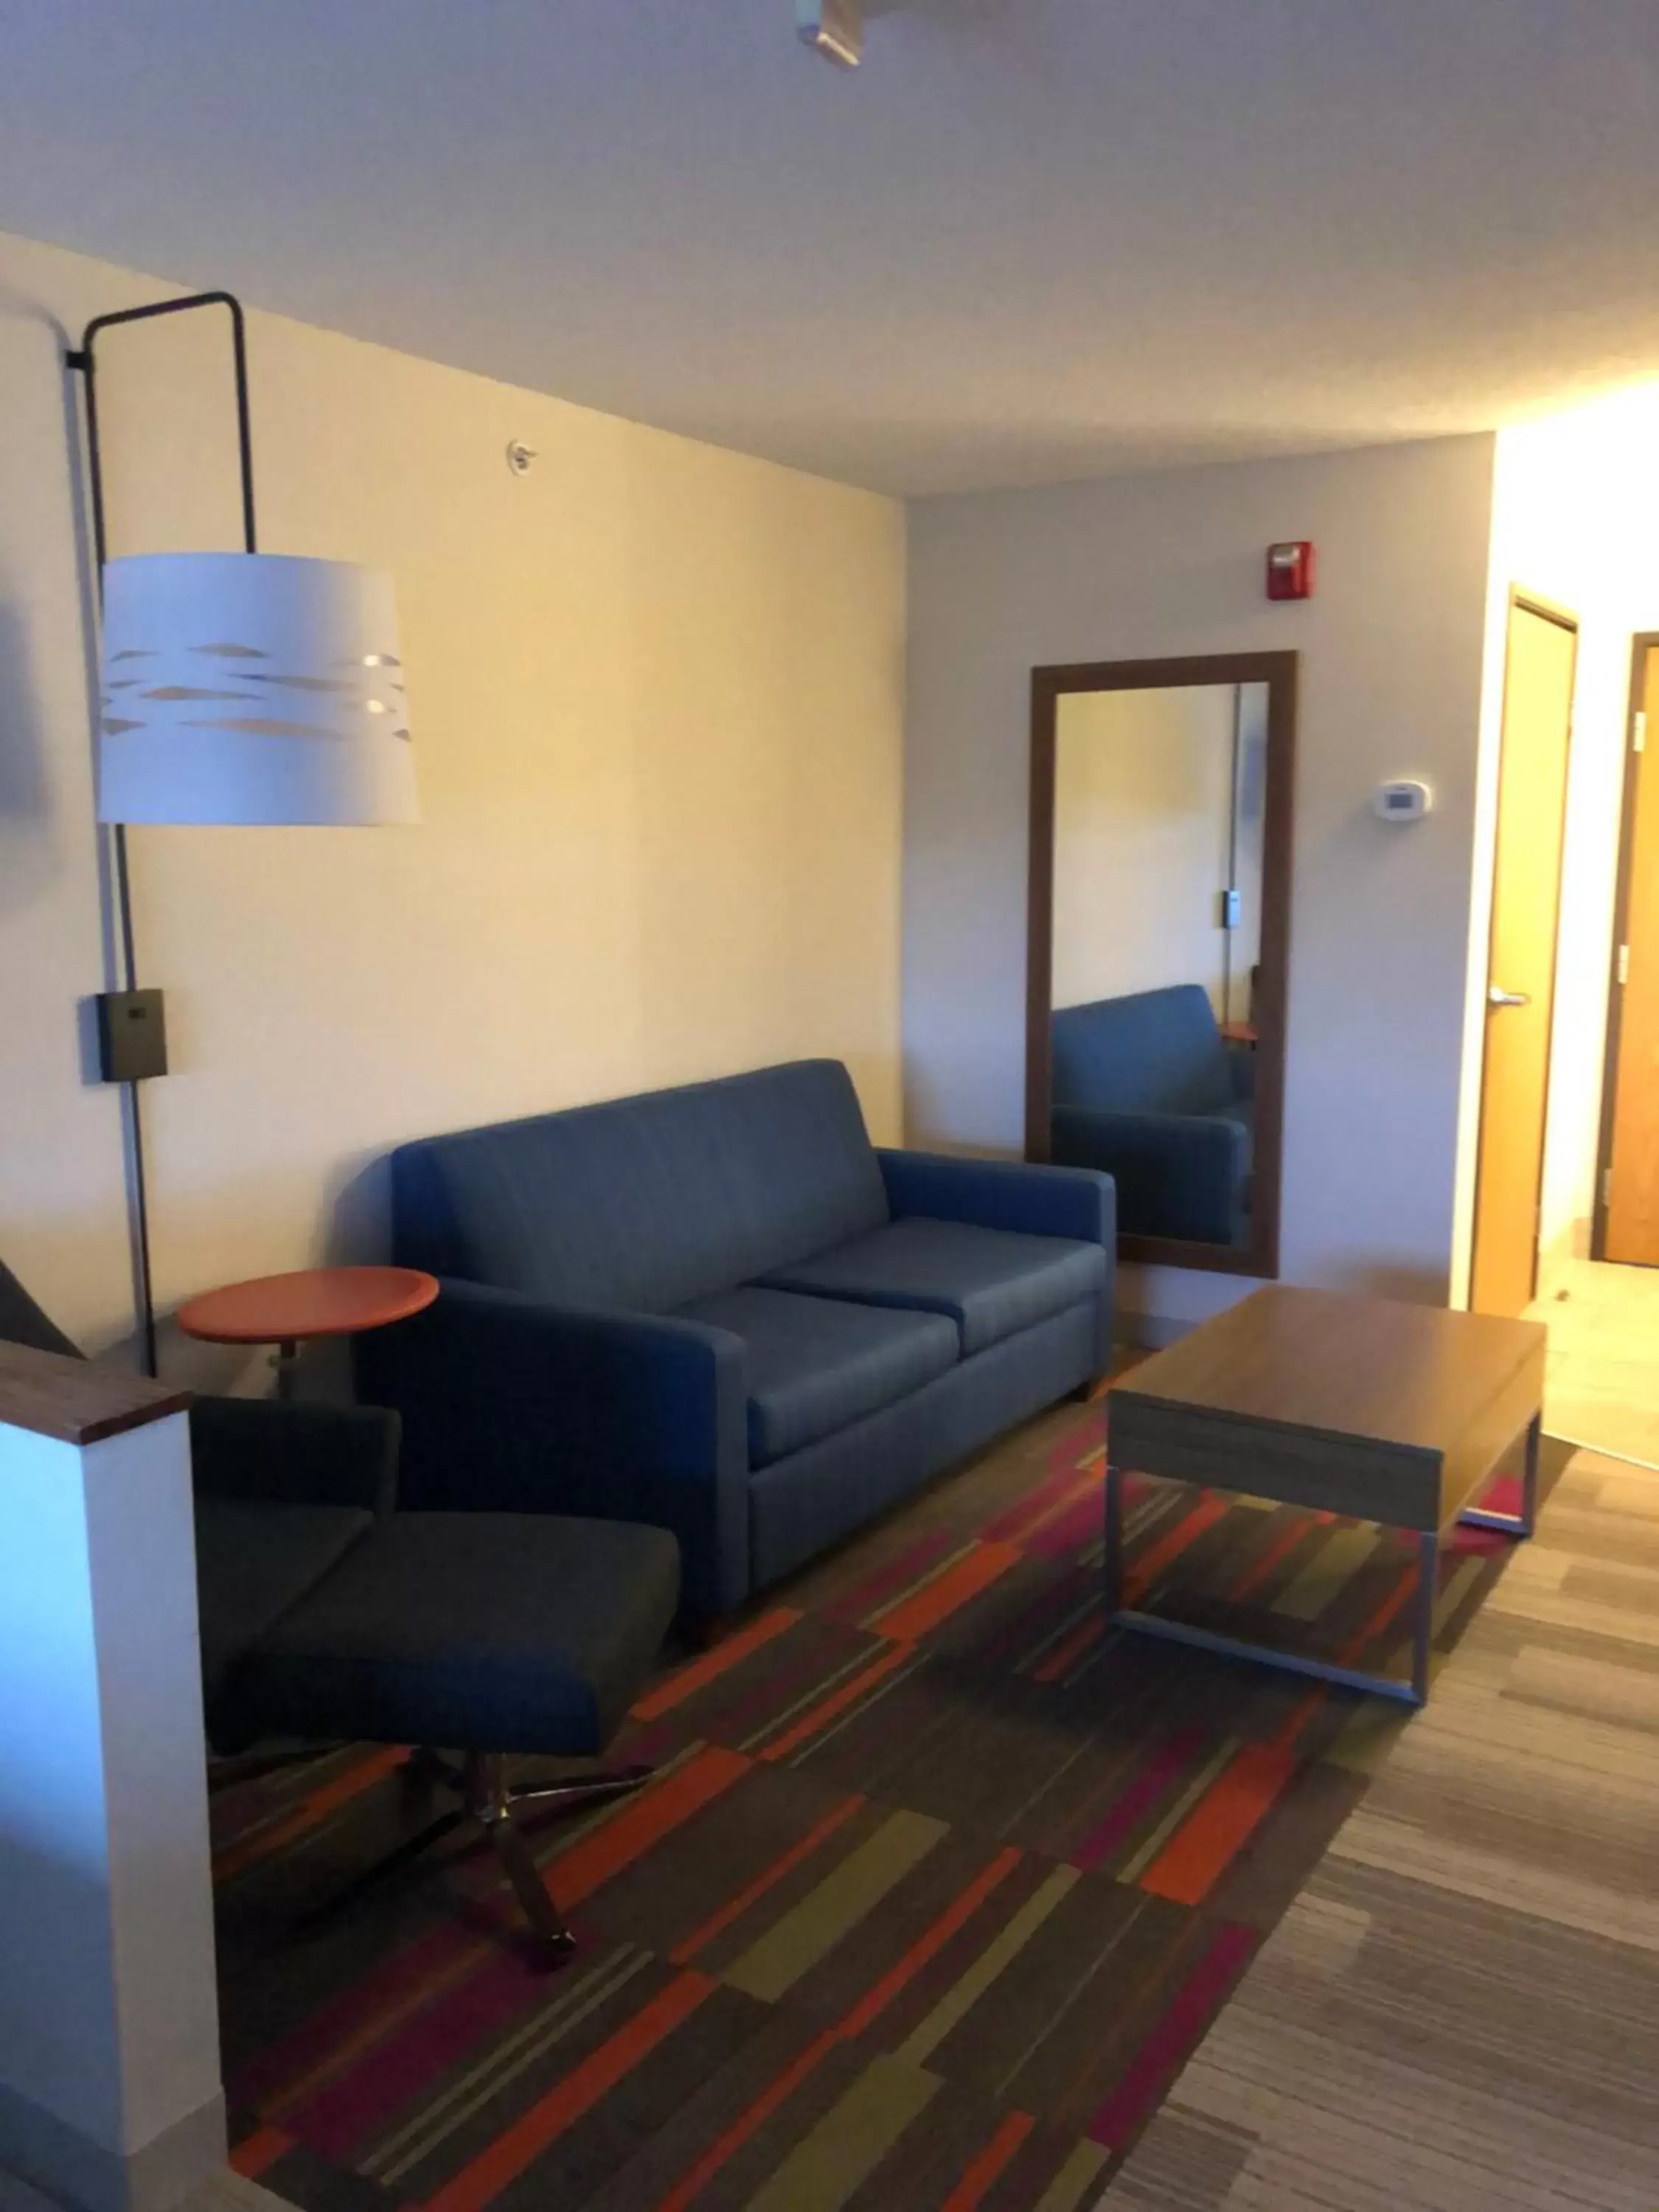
point(1360, 1477)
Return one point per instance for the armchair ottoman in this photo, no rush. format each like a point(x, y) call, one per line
point(326, 1616)
point(485, 1634)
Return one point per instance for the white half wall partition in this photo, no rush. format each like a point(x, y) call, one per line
point(109, 2035)
point(1171, 563)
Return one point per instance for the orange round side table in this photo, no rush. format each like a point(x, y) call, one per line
point(286, 1310)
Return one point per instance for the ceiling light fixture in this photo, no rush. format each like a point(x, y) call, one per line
point(833, 29)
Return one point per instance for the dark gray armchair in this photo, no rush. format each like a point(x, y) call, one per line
point(1145, 1088)
point(327, 1616)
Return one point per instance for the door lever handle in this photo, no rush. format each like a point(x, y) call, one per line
point(1497, 996)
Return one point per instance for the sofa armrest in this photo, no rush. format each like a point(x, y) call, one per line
point(1177, 1175)
point(512, 1405)
point(1038, 1201)
point(1241, 1070)
point(261, 1449)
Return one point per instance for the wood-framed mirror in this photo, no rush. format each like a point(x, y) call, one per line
point(1159, 944)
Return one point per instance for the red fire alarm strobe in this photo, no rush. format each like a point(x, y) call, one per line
point(1291, 570)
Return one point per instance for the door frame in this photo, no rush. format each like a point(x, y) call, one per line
point(1642, 643)
point(1521, 601)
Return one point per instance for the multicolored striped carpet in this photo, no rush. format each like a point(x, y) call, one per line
point(937, 1888)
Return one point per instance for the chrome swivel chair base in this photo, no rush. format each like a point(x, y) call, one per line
point(490, 1800)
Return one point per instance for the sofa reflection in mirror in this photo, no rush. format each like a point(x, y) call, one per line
point(1160, 865)
point(1146, 1088)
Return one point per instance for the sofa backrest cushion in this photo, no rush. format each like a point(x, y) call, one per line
point(645, 1203)
point(1153, 1052)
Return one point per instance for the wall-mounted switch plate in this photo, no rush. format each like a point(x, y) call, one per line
point(132, 1036)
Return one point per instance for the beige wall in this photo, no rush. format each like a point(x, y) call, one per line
point(1169, 563)
point(1573, 505)
point(1143, 795)
point(656, 695)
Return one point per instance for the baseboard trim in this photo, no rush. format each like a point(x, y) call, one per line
point(226, 2190)
point(44, 2161)
point(1568, 1244)
point(1152, 1332)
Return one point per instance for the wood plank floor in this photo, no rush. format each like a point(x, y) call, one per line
point(1461, 2011)
point(1602, 1388)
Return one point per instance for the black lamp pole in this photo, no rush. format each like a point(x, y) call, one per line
point(82, 360)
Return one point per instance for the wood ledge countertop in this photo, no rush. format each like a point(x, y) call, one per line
point(78, 1401)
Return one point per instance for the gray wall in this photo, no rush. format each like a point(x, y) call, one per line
point(1391, 644)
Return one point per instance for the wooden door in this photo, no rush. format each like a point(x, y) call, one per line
point(1630, 1192)
point(1532, 795)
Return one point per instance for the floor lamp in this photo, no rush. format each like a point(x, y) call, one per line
point(236, 689)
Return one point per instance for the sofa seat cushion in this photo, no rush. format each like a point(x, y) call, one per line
point(253, 1562)
point(990, 1283)
point(477, 1631)
point(814, 1364)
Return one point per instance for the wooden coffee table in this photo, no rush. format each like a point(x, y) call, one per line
point(1361, 1407)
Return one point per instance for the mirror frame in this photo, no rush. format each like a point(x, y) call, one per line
point(1277, 671)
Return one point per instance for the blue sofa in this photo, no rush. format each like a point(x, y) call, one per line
point(721, 1310)
point(1145, 1089)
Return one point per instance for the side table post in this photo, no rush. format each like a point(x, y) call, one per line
point(285, 1361)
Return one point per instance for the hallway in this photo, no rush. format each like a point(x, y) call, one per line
point(1602, 1383)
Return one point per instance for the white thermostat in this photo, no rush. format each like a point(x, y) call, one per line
point(1408, 800)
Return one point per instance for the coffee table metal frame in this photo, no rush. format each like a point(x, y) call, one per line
point(1415, 1692)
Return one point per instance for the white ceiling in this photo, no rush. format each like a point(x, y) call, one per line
point(1030, 239)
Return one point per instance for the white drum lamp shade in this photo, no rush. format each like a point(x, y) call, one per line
point(252, 688)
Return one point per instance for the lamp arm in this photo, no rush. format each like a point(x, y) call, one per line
point(82, 360)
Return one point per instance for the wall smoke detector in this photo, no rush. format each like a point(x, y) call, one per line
point(833, 29)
